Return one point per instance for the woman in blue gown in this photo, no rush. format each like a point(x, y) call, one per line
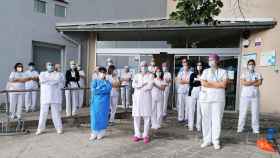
point(100, 105)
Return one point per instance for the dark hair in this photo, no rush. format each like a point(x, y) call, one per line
point(111, 69)
point(187, 61)
point(102, 69)
point(195, 69)
point(251, 61)
point(31, 64)
point(18, 65)
point(161, 76)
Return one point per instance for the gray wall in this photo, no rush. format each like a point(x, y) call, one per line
point(20, 25)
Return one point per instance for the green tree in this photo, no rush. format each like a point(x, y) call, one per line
point(197, 11)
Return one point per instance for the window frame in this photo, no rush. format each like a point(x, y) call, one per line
point(36, 7)
point(65, 10)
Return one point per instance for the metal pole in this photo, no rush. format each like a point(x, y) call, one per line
point(125, 108)
point(7, 112)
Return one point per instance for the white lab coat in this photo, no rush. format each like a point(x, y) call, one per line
point(157, 103)
point(250, 96)
point(50, 97)
point(183, 99)
point(166, 77)
point(125, 90)
point(142, 102)
point(16, 99)
point(212, 106)
point(31, 97)
point(81, 92)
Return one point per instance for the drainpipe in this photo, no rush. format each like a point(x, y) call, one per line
point(75, 43)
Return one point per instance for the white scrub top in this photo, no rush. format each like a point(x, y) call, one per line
point(16, 85)
point(112, 80)
point(167, 77)
point(250, 91)
point(31, 84)
point(213, 94)
point(158, 94)
point(51, 87)
point(183, 88)
point(126, 75)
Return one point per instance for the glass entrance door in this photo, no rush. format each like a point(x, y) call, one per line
point(229, 63)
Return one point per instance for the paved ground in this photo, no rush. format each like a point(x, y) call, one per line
point(173, 141)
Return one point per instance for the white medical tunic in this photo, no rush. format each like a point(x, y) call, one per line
point(250, 91)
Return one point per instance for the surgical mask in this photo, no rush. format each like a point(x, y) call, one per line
point(199, 68)
point(73, 66)
point(144, 69)
point(212, 63)
point(102, 75)
point(158, 74)
point(50, 68)
point(79, 68)
point(19, 69)
point(164, 69)
point(31, 68)
point(153, 64)
point(251, 68)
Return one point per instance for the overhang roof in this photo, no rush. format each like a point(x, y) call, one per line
point(164, 25)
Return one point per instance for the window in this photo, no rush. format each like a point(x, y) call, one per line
point(40, 6)
point(60, 11)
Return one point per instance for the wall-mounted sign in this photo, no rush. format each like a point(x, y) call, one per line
point(268, 58)
point(258, 42)
point(247, 57)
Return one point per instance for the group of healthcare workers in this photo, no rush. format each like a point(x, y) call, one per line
point(200, 96)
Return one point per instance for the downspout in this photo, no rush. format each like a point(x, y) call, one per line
point(74, 42)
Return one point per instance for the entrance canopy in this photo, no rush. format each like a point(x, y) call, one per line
point(165, 29)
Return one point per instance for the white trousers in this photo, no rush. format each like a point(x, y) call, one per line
point(81, 98)
point(212, 114)
point(191, 102)
point(184, 102)
point(198, 115)
point(56, 116)
point(71, 102)
point(113, 107)
point(245, 102)
point(157, 113)
point(125, 93)
point(137, 126)
point(16, 103)
point(30, 100)
point(165, 100)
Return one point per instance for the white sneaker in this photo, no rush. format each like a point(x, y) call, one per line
point(60, 131)
point(190, 129)
point(204, 145)
point(39, 132)
point(92, 137)
point(217, 146)
point(100, 136)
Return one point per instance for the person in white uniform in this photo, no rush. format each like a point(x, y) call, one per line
point(167, 79)
point(57, 68)
point(82, 85)
point(183, 79)
point(50, 98)
point(152, 66)
point(31, 97)
point(158, 99)
point(126, 77)
point(112, 77)
point(72, 81)
point(250, 96)
point(142, 102)
point(194, 91)
point(214, 82)
point(17, 81)
point(95, 73)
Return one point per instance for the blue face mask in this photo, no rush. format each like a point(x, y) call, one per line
point(50, 68)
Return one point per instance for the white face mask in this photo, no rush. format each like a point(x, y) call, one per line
point(19, 69)
point(212, 63)
point(31, 68)
point(102, 75)
point(164, 69)
point(79, 68)
point(144, 69)
point(251, 68)
point(199, 68)
point(73, 66)
point(158, 74)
